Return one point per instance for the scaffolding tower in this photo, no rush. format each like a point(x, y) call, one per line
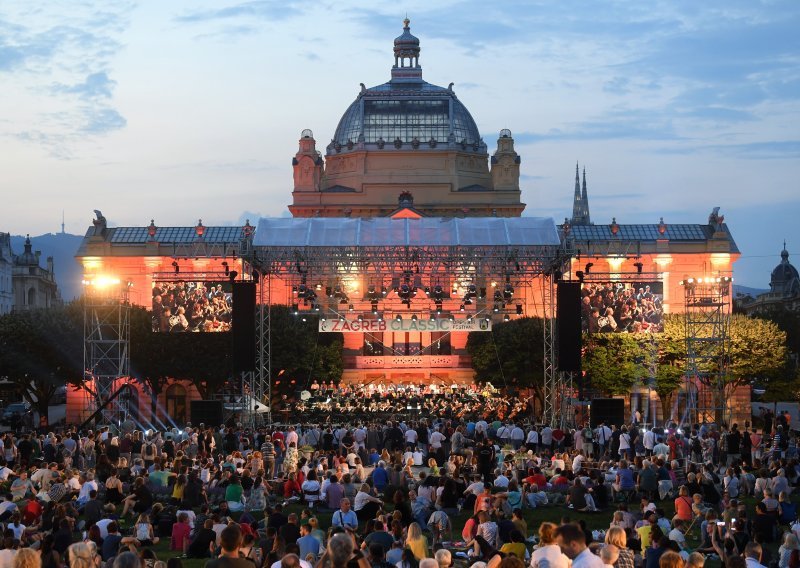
point(106, 342)
point(707, 321)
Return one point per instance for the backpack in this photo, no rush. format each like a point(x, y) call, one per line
point(149, 450)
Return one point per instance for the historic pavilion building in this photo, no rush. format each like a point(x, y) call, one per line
point(410, 153)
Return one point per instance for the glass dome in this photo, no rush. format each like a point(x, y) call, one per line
point(429, 114)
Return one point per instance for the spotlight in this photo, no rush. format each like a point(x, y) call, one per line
point(483, 293)
point(360, 317)
point(638, 266)
point(295, 309)
point(588, 267)
point(350, 308)
point(496, 308)
point(432, 317)
point(519, 309)
point(508, 291)
point(329, 291)
point(506, 318)
point(227, 269)
point(380, 317)
point(175, 266)
point(461, 308)
point(398, 317)
point(414, 317)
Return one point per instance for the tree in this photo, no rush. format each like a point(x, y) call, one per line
point(614, 362)
point(41, 350)
point(512, 352)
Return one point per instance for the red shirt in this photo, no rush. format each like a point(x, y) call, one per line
point(180, 534)
point(290, 488)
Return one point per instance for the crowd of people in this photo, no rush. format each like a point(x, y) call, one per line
point(428, 492)
point(621, 308)
point(181, 307)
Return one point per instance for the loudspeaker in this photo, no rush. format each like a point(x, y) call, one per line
point(607, 410)
point(208, 412)
point(244, 327)
point(568, 325)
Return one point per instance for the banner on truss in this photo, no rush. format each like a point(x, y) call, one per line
point(378, 326)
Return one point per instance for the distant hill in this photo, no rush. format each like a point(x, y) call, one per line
point(747, 291)
point(62, 247)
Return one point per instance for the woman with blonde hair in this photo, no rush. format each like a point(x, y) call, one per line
point(83, 555)
point(27, 558)
point(790, 548)
point(548, 553)
point(670, 559)
point(616, 535)
point(416, 542)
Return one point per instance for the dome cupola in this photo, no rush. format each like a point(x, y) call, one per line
point(784, 275)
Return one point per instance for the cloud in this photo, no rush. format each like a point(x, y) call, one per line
point(97, 85)
point(102, 121)
point(61, 60)
point(269, 10)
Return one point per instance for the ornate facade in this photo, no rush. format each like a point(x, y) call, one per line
point(784, 290)
point(34, 285)
point(6, 273)
point(406, 136)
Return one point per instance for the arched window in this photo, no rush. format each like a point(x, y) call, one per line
point(176, 402)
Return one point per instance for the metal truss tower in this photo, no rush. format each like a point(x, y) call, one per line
point(707, 321)
point(106, 342)
point(257, 384)
point(557, 384)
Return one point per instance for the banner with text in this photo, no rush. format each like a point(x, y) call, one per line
point(375, 326)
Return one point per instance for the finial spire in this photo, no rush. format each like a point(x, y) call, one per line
point(406, 56)
point(580, 205)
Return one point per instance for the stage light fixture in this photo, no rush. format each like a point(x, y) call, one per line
point(380, 317)
point(295, 309)
point(580, 275)
point(175, 266)
point(519, 309)
point(432, 317)
point(350, 308)
point(508, 291)
point(483, 293)
point(329, 291)
point(360, 317)
point(398, 317)
point(638, 266)
point(227, 269)
point(451, 317)
point(414, 317)
point(588, 267)
point(506, 318)
point(461, 308)
point(496, 308)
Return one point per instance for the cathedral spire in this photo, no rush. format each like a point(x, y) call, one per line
point(580, 205)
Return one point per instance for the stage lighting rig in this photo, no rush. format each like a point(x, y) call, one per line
point(508, 291)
